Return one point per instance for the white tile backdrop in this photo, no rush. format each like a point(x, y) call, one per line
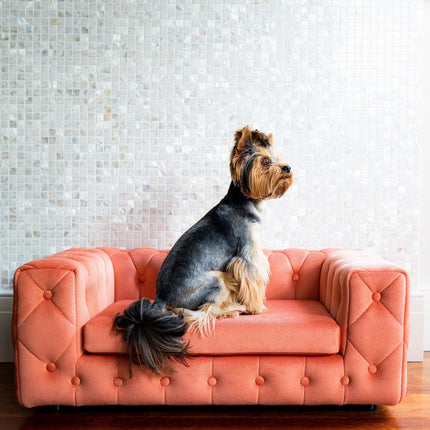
point(117, 119)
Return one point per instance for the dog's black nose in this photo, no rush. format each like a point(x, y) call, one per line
point(286, 168)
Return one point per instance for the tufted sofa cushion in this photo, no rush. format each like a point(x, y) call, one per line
point(290, 327)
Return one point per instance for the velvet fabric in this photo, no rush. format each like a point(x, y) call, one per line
point(289, 327)
point(336, 333)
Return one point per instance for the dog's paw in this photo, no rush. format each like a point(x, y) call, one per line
point(255, 311)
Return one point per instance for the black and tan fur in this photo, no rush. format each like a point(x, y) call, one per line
point(217, 268)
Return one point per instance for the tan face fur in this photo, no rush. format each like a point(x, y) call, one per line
point(256, 169)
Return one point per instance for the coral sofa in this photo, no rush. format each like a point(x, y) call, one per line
point(336, 332)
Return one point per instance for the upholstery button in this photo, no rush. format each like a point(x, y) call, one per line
point(305, 381)
point(295, 277)
point(118, 382)
point(142, 278)
point(372, 368)
point(50, 367)
point(165, 381)
point(376, 296)
point(76, 381)
point(212, 381)
point(259, 380)
point(344, 380)
point(47, 295)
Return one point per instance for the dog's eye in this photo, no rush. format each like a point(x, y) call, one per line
point(266, 161)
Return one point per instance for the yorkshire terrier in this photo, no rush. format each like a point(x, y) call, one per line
point(217, 268)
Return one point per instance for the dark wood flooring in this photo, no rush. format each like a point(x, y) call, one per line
point(412, 413)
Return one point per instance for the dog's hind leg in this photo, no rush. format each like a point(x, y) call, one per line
point(223, 304)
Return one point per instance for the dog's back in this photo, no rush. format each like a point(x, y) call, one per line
point(184, 280)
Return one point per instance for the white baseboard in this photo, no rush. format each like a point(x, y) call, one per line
point(425, 291)
point(416, 335)
point(419, 335)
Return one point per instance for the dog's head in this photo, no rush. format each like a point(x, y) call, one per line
point(255, 168)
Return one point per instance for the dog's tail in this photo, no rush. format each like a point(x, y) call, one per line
point(153, 336)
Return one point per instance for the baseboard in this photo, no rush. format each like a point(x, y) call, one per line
point(425, 291)
point(6, 351)
point(416, 336)
point(419, 337)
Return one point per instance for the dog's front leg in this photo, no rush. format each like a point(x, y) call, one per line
point(250, 283)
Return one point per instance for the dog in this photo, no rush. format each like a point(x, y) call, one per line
point(216, 269)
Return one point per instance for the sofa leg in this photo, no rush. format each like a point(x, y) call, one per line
point(57, 408)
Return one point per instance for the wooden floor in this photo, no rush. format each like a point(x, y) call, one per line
point(412, 413)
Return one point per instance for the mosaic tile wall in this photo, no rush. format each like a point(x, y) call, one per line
point(117, 119)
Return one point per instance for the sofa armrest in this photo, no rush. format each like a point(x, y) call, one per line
point(53, 298)
point(369, 299)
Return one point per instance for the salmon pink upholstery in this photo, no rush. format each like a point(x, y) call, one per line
point(284, 330)
point(368, 297)
point(137, 269)
point(336, 333)
point(53, 299)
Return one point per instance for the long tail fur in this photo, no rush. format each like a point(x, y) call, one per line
point(153, 336)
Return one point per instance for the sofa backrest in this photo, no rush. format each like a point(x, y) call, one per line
point(295, 273)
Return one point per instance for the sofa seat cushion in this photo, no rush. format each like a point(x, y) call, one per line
point(289, 327)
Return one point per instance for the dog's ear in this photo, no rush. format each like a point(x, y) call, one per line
point(242, 147)
point(270, 136)
point(237, 135)
point(243, 139)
